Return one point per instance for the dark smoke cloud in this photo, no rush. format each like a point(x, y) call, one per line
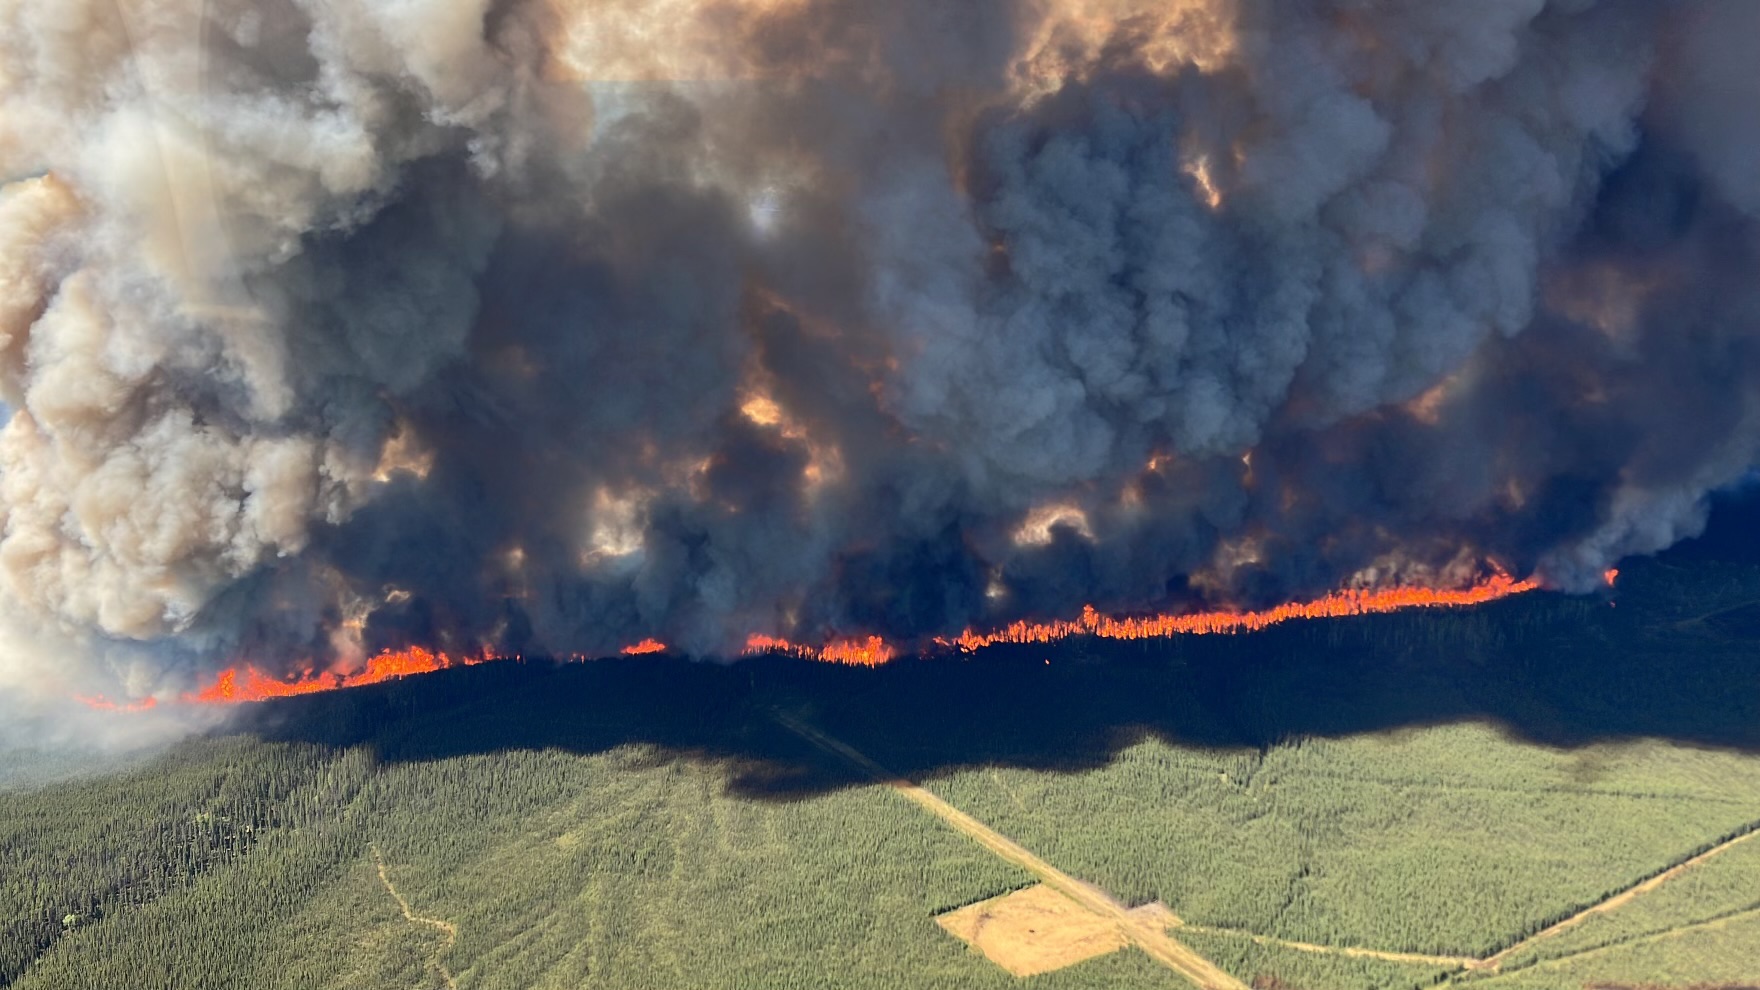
point(329, 327)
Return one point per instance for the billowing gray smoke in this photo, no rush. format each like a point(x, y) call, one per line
point(330, 325)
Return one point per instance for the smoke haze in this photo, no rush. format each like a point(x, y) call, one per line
point(333, 326)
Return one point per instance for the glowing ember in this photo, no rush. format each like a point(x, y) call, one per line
point(649, 645)
point(1610, 575)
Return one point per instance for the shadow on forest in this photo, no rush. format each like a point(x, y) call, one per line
point(1672, 655)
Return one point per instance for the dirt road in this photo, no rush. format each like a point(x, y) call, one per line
point(1618, 900)
point(1414, 958)
point(1145, 933)
point(1698, 926)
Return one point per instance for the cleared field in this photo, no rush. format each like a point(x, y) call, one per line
point(1033, 930)
point(1144, 928)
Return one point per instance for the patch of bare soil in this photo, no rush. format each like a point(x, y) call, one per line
point(1156, 914)
point(1034, 930)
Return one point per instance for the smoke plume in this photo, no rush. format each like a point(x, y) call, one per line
point(551, 326)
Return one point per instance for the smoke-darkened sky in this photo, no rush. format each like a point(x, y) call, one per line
point(330, 326)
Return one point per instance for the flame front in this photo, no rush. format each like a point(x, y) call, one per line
point(246, 683)
point(869, 652)
point(1335, 605)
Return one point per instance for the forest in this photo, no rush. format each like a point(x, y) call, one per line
point(1443, 784)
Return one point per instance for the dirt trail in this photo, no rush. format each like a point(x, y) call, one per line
point(413, 918)
point(1618, 900)
point(1143, 932)
point(1711, 924)
point(1415, 958)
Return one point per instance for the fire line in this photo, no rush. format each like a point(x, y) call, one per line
point(245, 683)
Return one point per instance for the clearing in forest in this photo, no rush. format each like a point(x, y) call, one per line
point(1034, 930)
point(1145, 927)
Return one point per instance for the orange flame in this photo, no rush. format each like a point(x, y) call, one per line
point(1610, 575)
point(247, 683)
point(870, 652)
point(1339, 603)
